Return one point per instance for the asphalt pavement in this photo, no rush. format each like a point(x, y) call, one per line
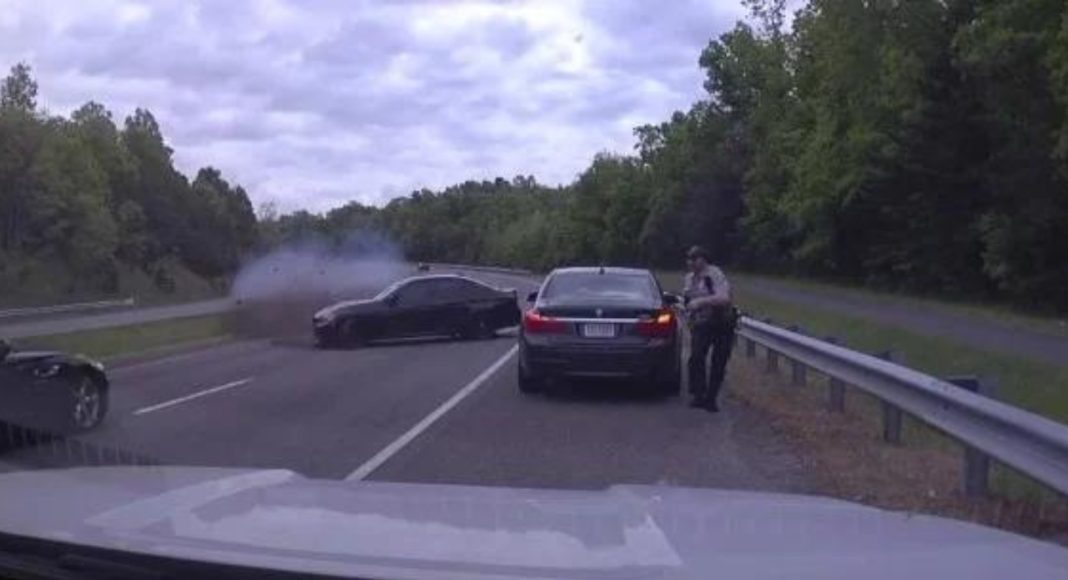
point(441, 411)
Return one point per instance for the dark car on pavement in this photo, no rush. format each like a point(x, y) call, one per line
point(439, 305)
point(600, 322)
point(51, 391)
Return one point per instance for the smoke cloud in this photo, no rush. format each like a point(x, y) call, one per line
point(277, 293)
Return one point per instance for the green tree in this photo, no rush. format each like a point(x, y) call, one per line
point(19, 90)
point(66, 201)
point(1012, 48)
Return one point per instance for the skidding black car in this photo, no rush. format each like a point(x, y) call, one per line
point(439, 305)
point(51, 391)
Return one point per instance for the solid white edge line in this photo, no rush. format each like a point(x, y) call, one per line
point(190, 397)
point(401, 442)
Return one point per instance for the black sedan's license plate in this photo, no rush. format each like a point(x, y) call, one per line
point(599, 330)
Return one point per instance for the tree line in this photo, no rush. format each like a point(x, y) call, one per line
point(919, 146)
point(89, 199)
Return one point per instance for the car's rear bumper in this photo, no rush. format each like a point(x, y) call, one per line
point(608, 361)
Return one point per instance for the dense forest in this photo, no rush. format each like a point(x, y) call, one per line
point(919, 146)
point(82, 200)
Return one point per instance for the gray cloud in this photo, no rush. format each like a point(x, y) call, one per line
point(323, 101)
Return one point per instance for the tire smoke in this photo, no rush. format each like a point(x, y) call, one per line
point(277, 293)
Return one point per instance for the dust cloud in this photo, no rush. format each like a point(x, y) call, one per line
point(277, 293)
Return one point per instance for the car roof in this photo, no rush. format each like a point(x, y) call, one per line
point(417, 278)
point(598, 269)
point(441, 277)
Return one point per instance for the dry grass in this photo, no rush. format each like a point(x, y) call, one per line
point(848, 459)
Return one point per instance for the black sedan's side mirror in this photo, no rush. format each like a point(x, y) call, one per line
point(392, 300)
point(532, 297)
point(671, 299)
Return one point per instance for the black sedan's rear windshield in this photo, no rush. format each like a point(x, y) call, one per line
point(592, 287)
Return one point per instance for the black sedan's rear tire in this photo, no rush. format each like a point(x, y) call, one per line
point(671, 385)
point(528, 383)
point(477, 329)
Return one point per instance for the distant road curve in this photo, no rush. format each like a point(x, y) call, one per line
point(65, 308)
point(975, 331)
point(28, 329)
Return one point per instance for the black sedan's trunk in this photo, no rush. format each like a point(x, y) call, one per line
point(617, 311)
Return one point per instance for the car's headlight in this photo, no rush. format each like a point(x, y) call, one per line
point(91, 362)
point(47, 371)
point(322, 318)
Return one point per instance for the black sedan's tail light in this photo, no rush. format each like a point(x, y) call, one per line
point(662, 325)
point(535, 323)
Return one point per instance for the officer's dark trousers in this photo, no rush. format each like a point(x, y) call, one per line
point(705, 385)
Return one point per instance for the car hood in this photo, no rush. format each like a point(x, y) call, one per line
point(28, 355)
point(277, 519)
point(21, 357)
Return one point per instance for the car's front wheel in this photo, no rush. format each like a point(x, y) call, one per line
point(352, 334)
point(326, 338)
point(88, 403)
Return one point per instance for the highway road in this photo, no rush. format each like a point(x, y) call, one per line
point(420, 411)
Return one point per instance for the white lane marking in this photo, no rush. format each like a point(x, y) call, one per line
point(119, 368)
point(390, 450)
point(195, 395)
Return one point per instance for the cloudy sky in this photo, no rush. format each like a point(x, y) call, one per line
point(317, 102)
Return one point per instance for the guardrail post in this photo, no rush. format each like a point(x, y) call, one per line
point(798, 371)
point(772, 365)
point(976, 463)
point(891, 414)
point(835, 388)
point(750, 348)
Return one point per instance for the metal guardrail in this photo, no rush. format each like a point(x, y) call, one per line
point(1034, 445)
point(62, 308)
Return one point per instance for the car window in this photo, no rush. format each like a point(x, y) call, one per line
point(468, 290)
point(418, 293)
point(390, 290)
point(595, 287)
point(441, 291)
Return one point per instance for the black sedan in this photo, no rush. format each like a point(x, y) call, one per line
point(439, 305)
point(51, 391)
point(600, 322)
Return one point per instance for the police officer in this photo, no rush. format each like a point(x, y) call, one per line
point(707, 295)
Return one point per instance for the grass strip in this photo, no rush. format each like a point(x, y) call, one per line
point(996, 312)
point(106, 343)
